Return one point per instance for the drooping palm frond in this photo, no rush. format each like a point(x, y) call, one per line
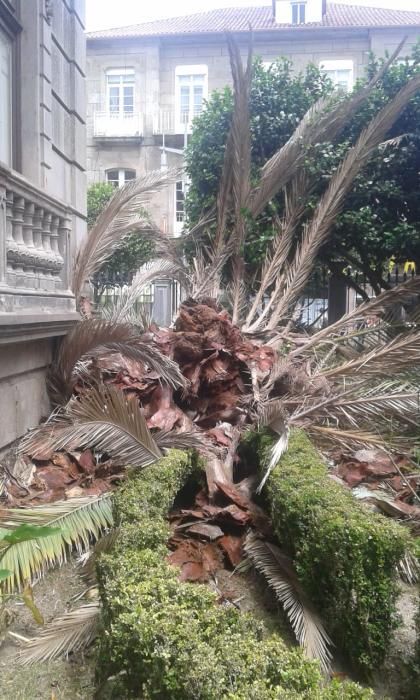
point(318, 229)
point(80, 521)
point(353, 439)
point(83, 338)
point(278, 569)
point(103, 418)
point(137, 350)
point(399, 355)
point(388, 401)
point(121, 216)
point(121, 309)
point(278, 251)
point(63, 636)
point(240, 140)
point(324, 121)
point(382, 306)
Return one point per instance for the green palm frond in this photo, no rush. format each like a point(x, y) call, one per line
point(80, 521)
point(281, 577)
point(67, 634)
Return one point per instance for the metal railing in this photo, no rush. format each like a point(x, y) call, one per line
point(118, 125)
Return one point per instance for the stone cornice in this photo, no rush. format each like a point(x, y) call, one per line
point(19, 328)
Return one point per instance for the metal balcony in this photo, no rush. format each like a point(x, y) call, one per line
point(118, 126)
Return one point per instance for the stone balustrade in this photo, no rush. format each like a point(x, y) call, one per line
point(34, 238)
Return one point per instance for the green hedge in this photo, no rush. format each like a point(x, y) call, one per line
point(165, 639)
point(345, 555)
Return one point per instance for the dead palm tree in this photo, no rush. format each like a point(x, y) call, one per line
point(336, 383)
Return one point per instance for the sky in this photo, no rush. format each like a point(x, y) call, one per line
point(104, 14)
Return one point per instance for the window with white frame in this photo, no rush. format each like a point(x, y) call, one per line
point(119, 176)
point(340, 73)
point(298, 12)
point(120, 92)
point(5, 99)
point(191, 86)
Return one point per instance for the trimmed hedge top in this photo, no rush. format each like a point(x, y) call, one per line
point(345, 555)
point(169, 640)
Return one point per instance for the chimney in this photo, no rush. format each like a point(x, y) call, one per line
point(312, 11)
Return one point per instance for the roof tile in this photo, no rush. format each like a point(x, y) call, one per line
point(239, 19)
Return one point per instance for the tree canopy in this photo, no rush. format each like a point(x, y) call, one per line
point(381, 218)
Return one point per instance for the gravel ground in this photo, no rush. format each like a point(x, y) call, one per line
point(54, 680)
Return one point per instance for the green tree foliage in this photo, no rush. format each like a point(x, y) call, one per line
point(133, 252)
point(381, 219)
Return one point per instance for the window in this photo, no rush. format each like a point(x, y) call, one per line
point(5, 99)
point(120, 92)
point(180, 192)
point(119, 177)
point(191, 91)
point(340, 72)
point(298, 12)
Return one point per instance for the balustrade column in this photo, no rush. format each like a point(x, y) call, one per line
point(29, 240)
point(48, 254)
point(58, 260)
point(11, 246)
point(17, 221)
point(37, 238)
point(64, 248)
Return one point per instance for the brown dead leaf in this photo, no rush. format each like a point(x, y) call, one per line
point(231, 545)
point(206, 530)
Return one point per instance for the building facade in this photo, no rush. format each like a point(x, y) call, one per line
point(147, 82)
point(42, 195)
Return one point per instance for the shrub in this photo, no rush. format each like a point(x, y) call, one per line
point(166, 639)
point(345, 556)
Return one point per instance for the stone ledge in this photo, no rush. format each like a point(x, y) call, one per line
point(19, 328)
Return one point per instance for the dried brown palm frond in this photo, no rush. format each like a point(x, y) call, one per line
point(382, 306)
point(351, 439)
point(318, 229)
point(121, 216)
point(104, 545)
point(386, 402)
point(240, 143)
point(207, 271)
point(106, 420)
point(278, 569)
point(65, 635)
point(79, 521)
point(399, 355)
point(323, 122)
point(81, 339)
point(140, 351)
point(279, 250)
point(122, 309)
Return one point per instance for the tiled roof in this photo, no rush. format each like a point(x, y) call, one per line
point(239, 19)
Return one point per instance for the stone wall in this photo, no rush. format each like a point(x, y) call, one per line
point(42, 201)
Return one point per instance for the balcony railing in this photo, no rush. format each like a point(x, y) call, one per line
point(34, 238)
point(173, 122)
point(121, 125)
